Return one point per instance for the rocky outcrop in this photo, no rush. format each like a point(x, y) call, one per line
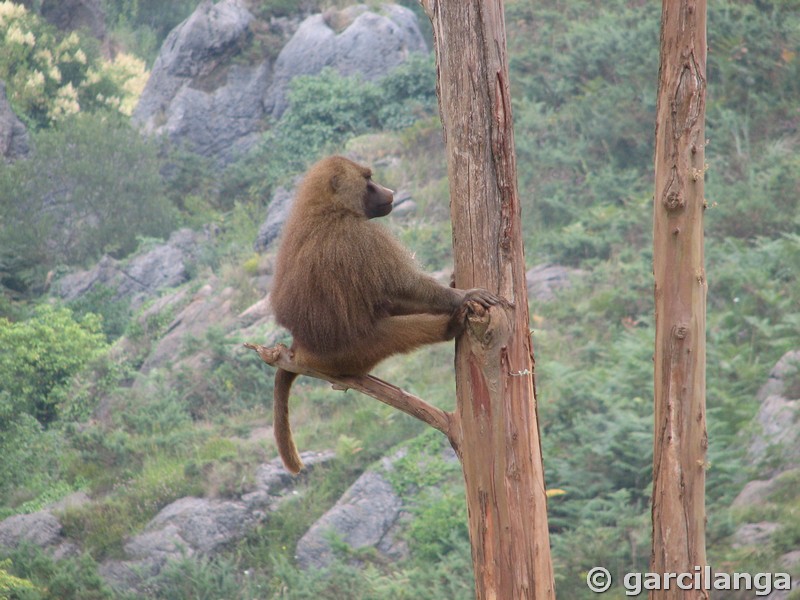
point(209, 306)
point(194, 94)
point(361, 518)
point(371, 44)
point(779, 436)
point(140, 277)
point(41, 529)
point(775, 448)
point(277, 213)
point(14, 139)
point(204, 95)
point(187, 527)
point(754, 534)
point(202, 526)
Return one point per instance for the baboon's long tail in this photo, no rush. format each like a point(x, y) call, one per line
point(280, 421)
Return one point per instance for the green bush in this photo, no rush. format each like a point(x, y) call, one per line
point(13, 587)
point(99, 300)
point(32, 462)
point(39, 356)
point(74, 578)
point(102, 191)
point(326, 109)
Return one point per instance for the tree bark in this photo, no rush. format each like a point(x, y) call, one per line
point(495, 426)
point(680, 441)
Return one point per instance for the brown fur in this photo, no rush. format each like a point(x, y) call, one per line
point(349, 292)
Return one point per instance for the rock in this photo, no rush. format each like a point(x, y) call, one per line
point(363, 517)
point(40, 529)
point(148, 553)
point(209, 306)
point(224, 122)
point(787, 368)
point(372, 44)
point(14, 139)
point(255, 312)
point(273, 481)
point(544, 281)
point(140, 277)
point(778, 440)
point(754, 534)
point(200, 97)
point(202, 526)
point(277, 213)
point(791, 560)
point(195, 95)
point(754, 493)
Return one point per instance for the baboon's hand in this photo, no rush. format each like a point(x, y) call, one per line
point(483, 297)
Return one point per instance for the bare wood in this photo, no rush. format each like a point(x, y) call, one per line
point(680, 440)
point(496, 429)
point(280, 356)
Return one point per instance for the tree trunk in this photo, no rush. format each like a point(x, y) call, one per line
point(680, 442)
point(495, 430)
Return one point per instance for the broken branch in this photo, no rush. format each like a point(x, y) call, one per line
point(279, 356)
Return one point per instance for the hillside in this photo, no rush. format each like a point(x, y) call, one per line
point(151, 150)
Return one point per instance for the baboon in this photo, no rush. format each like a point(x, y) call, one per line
point(347, 290)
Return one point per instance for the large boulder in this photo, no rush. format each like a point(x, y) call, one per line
point(754, 534)
point(369, 43)
point(194, 94)
point(14, 139)
point(202, 526)
point(206, 94)
point(777, 440)
point(361, 518)
point(140, 277)
point(41, 529)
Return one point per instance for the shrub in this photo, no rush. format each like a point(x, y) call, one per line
point(102, 190)
point(74, 578)
point(51, 77)
point(32, 456)
point(10, 586)
point(39, 356)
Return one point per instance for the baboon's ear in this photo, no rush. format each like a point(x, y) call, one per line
point(334, 183)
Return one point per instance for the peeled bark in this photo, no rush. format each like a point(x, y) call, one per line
point(495, 427)
point(680, 442)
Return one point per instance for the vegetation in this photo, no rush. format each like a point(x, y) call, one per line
point(51, 76)
point(77, 413)
point(103, 191)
